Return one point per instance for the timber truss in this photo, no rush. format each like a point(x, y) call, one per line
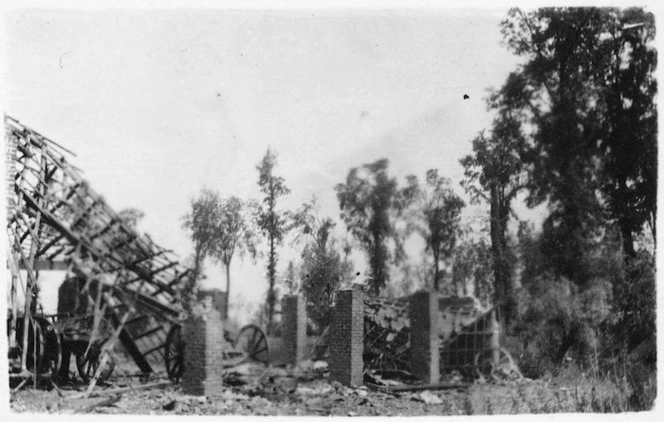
point(55, 221)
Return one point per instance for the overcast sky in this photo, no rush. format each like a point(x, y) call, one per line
point(158, 104)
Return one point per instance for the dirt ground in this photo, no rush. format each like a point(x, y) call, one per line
point(317, 397)
point(254, 389)
point(281, 393)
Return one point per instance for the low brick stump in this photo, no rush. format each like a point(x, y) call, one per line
point(347, 339)
point(294, 328)
point(203, 354)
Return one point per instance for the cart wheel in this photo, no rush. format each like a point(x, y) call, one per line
point(252, 342)
point(505, 369)
point(52, 348)
point(174, 353)
point(88, 363)
point(35, 356)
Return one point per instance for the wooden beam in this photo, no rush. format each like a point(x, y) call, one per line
point(55, 240)
point(130, 345)
point(172, 282)
point(149, 332)
point(154, 349)
point(46, 265)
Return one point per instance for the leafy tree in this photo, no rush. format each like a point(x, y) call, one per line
point(586, 90)
point(370, 201)
point(473, 266)
point(273, 223)
point(200, 222)
point(323, 269)
point(629, 126)
point(436, 216)
point(233, 234)
point(494, 173)
point(635, 302)
point(219, 228)
point(290, 279)
point(585, 97)
point(555, 313)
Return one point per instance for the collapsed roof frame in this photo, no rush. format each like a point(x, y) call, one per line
point(55, 221)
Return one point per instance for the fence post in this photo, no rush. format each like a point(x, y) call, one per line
point(425, 336)
point(347, 339)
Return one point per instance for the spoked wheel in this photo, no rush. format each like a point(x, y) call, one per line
point(252, 342)
point(503, 369)
point(88, 363)
point(174, 353)
point(52, 348)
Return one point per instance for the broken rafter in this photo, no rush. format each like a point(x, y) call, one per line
point(146, 257)
point(44, 264)
point(161, 286)
point(57, 215)
point(55, 240)
point(173, 282)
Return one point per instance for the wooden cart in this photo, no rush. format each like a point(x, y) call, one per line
point(52, 339)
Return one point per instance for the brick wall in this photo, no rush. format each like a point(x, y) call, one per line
point(203, 354)
point(294, 328)
point(347, 338)
point(424, 336)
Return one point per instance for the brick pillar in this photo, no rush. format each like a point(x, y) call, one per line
point(347, 338)
point(424, 336)
point(294, 328)
point(203, 354)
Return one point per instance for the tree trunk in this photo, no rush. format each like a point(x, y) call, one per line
point(271, 270)
point(568, 342)
point(501, 265)
point(625, 229)
point(436, 272)
point(228, 289)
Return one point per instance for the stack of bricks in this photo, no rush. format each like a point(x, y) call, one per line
point(347, 339)
point(294, 328)
point(425, 336)
point(203, 354)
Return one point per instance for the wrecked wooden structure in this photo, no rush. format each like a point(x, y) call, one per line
point(425, 336)
point(119, 283)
